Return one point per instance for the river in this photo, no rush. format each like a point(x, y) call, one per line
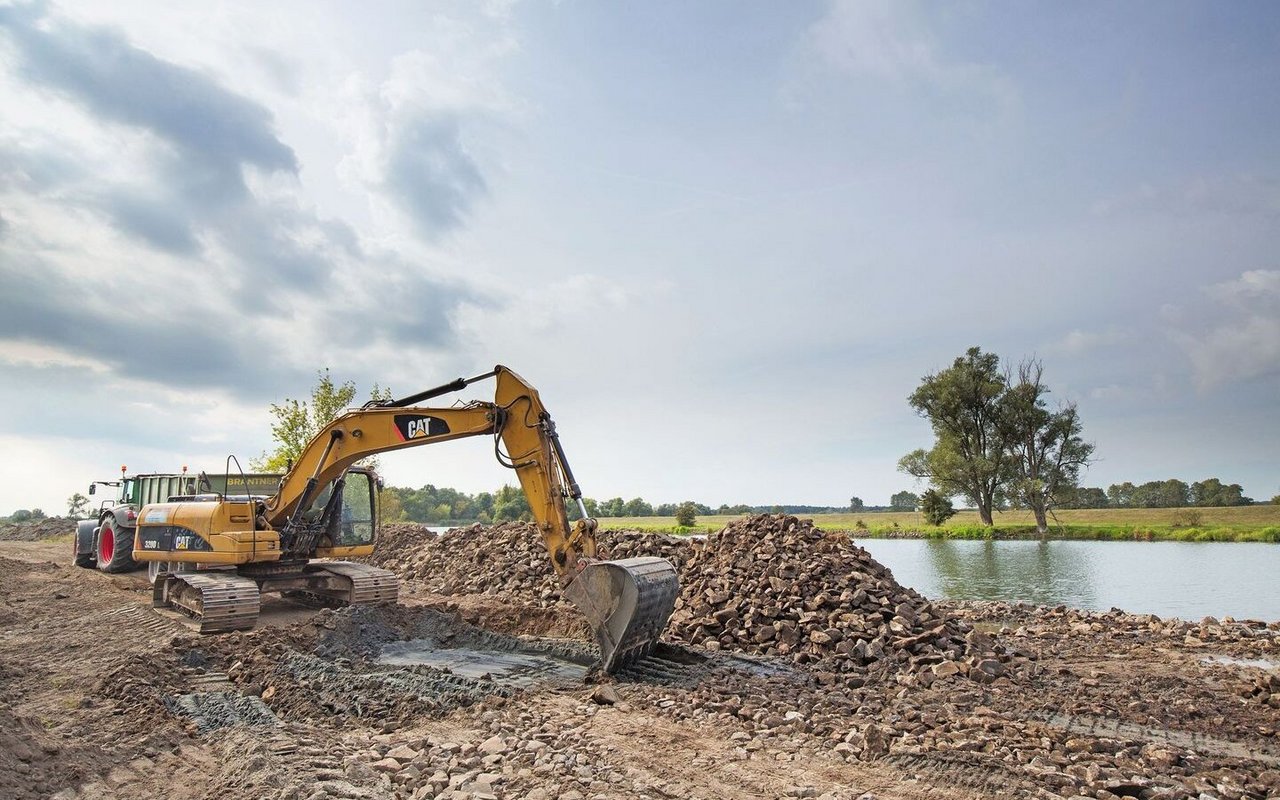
point(1189, 580)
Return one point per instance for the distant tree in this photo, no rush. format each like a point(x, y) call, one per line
point(1120, 495)
point(1275, 501)
point(936, 507)
point(855, 504)
point(613, 507)
point(665, 510)
point(37, 514)
point(636, 507)
point(1171, 493)
point(510, 504)
point(77, 506)
point(687, 514)
point(389, 507)
point(970, 456)
point(21, 515)
point(1047, 450)
point(904, 501)
point(1085, 497)
point(1212, 492)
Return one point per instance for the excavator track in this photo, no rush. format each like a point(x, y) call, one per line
point(368, 585)
point(218, 601)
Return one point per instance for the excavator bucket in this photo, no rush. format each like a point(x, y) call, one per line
point(628, 603)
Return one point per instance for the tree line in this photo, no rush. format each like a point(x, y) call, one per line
point(435, 505)
point(1171, 493)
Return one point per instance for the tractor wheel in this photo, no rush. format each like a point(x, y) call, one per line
point(84, 536)
point(115, 547)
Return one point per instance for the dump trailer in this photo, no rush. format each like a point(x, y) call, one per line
point(106, 541)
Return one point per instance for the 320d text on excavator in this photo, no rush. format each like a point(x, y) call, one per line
point(214, 554)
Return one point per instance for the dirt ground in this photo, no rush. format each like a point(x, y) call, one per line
point(104, 697)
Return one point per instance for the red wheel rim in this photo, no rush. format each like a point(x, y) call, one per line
point(107, 547)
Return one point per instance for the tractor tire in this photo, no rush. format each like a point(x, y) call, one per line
point(83, 540)
point(115, 547)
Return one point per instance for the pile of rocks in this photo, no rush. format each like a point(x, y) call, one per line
point(775, 585)
point(507, 560)
point(36, 529)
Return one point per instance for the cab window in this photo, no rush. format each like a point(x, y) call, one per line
point(357, 511)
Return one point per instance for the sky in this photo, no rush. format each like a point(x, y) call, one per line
point(724, 240)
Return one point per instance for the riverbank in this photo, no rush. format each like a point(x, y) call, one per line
point(1256, 523)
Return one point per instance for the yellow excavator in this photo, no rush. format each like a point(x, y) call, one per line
point(213, 554)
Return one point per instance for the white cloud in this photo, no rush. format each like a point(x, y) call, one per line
point(887, 41)
point(1240, 338)
point(1078, 342)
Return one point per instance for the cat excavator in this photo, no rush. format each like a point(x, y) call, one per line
point(212, 555)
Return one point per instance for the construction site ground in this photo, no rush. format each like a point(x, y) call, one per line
point(491, 695)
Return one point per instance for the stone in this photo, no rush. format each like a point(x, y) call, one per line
point(402, 753)
point(493, 745)
point(605, 695)
point(389, 765)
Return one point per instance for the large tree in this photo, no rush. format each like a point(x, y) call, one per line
point(971, 455)
point(1047, 451)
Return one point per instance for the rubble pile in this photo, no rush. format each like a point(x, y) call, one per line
point(37, 529)
point(775, 585)
point(507, 559)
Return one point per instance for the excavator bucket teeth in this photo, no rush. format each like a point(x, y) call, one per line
point(627, 602)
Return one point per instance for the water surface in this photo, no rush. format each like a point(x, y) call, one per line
point(1190, 580)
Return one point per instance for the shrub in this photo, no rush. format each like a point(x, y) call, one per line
point(936, 507)
point(860, 525)
point(1187, 518)
point(686, 515)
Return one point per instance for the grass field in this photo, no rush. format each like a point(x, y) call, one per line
point(1258, 523)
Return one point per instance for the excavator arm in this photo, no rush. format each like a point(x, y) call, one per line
point(627, 602)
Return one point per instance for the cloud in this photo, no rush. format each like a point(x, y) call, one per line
point(429, 173)
point(417, 139)
point(155, 226)
point(1077, 342)
point(889, 42)
point(1240, 337)
point(124, 84)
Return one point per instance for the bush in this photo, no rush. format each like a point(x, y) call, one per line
point(686, 515)
point(1187, 518)
point(860, 525)
point(936, 507)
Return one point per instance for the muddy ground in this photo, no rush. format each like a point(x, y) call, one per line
point(474, 695)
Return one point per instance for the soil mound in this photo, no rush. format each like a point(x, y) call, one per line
point(775, 585)
point(37, 529)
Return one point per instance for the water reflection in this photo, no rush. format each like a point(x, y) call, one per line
point(1037, 572)
point(1178, 579)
